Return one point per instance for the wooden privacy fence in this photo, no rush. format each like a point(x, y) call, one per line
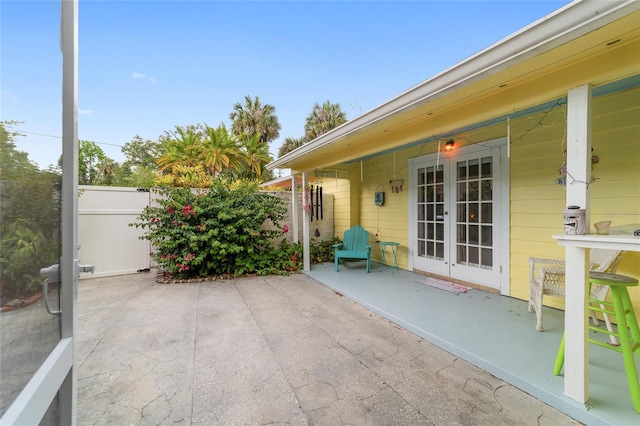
point(107, 241)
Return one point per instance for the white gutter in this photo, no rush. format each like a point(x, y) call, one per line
point(565, 24)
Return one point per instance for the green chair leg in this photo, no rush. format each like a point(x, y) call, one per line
point(628, 330)
point(557, 368)
point(624, 313)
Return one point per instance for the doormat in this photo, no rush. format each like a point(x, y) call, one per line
point(445, 285)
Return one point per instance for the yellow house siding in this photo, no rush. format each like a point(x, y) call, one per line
point(340, 188)
point(389, 221)
point(537, 203)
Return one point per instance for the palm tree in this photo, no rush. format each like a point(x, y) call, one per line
point(220, 150)
point(256, 156)
point(322, 119)
point(182, 149)
point(289, 145)
point(254, 118)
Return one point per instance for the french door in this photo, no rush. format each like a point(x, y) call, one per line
point(457, 214)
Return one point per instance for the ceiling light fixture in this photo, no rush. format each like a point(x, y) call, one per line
point(448, 147)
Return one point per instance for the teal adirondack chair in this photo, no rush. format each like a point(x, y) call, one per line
point(355, 245)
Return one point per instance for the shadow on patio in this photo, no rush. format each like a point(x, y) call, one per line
point(493, 332)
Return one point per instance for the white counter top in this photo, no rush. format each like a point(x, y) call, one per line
point(619, 238)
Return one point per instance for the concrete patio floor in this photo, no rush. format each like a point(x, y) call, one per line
point(271, 350)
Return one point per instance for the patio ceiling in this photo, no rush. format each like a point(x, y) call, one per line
point(585, 42)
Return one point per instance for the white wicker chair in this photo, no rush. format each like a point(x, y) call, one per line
point(546, 276)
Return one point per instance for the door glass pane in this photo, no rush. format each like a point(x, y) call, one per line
point(473, 190)
point(421, 177)
point(461, 254)
point(421, 194)
point(474, 183)
point(473, 256)
point(486, 167)
point(487, 258)
point(30, 193)
point(487, 236)
point(431, 218)
point(473, 234)
point(439, 251)
point(487, 213)
point(462, 234)
point(473, 169)
point(462, 170)
point(461, 191)
point(487, 194)
point(474, 217)
point(462, 212)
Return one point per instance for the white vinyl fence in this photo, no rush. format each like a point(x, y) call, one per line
point(107, 241)
point(105, 238)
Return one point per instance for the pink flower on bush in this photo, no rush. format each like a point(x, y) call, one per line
point(170, 209)
point(285, 228)
point(187, 210)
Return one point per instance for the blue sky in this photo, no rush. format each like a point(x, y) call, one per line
point(145, 66)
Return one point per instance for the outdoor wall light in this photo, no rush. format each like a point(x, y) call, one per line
point(448, 147)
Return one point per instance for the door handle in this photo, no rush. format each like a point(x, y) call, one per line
point(52, 274)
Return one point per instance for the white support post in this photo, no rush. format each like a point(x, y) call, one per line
point(294, 208)
point(306, 258)
point(576, 367)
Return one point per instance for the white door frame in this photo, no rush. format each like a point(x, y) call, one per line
point(58, 373)
point(502, 210)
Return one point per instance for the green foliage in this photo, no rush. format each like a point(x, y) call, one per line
point(30, 223)
point(217, 231)
point(90, 155)
point(322, 251)
point(254, 118)
point(322, 119)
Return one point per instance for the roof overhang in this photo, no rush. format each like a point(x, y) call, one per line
point(574, 45)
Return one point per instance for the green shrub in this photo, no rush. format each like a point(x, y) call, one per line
point(217, 231)
point(322, 251)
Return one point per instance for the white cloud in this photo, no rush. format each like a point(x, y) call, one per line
point(141, 76)
point(85, 111)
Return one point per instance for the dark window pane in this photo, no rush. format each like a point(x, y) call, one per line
point(421, 248)
point(462, 212)
point(487, 258)
point(473, 169)
point(439, 193)
point(461, 254)
point(474, 256)
point(439, 250)
point(430, 177)
point(487, 236)
point(473, 234)
point(421, 178)
point(421, 230)
point(430, 234)
point(487, 213)
point(462, 234)
point(473, 191)
point(487, 190)
point(486, 167)
point(462, 170)
point(461, 191)
point(473, 213)
point(440, 231)
point(430, 215)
